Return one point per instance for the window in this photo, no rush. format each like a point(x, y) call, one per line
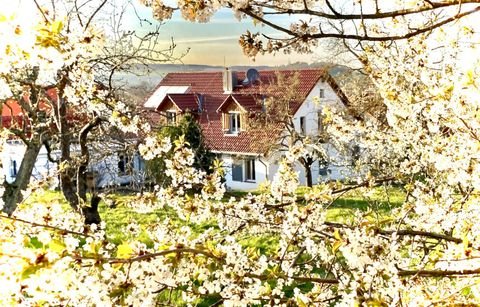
point(123, 164)
point(302, 124)
point(234, 122)
point(243, 170)
point(320, 121)
point(323, 168)
point(237, 170)
point(13, 168)
point(321, 93)
point(250, 170)
point(171, 117)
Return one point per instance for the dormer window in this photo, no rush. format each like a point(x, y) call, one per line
point(171, 117)
point(235, 110)
point(235, 120)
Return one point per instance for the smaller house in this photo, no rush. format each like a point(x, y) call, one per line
point(116, 167)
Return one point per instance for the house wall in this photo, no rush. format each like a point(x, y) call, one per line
point(14, 151)
point(339, 166)
point(108, 173)
point(261, 169)
point(105, 167)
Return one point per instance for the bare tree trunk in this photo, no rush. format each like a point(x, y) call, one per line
point(90, 213)
point(307, 165)
point(12, 195)
point(308, 174)
point(68, 172)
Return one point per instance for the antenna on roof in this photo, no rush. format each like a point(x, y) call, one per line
point(252, 76)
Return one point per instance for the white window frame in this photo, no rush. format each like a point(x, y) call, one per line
point(234, 117)
point(249, 169)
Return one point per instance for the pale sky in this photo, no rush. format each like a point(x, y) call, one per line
point(212, 43)
point(216, 42)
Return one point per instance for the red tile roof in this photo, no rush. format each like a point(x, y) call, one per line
point(210, 86)
point(182, 101)
point(13, 114)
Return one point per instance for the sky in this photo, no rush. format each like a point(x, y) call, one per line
point(216, 42)
point(212, 43)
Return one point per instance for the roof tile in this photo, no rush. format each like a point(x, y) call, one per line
point(210, 86)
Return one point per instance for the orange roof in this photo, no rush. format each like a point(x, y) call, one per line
point(209, 85)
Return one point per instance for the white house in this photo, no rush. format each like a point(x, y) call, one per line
point(223, 103)
point(112, 166)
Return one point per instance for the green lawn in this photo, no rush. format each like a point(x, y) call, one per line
point(379, 204)
point(119, 215)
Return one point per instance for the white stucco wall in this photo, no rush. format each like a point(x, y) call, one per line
point(261, 169)
point(14, 151)
point(106, 167)
point(339, 166)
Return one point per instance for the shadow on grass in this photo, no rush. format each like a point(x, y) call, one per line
point(380, 201)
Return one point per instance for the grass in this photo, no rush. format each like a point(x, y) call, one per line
point(117, 217)
point(380, 203)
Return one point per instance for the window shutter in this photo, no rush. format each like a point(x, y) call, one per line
point(243, 122)
point(226, 121)
point(237, 170)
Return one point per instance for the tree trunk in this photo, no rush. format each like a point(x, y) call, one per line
point(308, 174)
point(90, 213)
point(68, 173)
point(12, 195)
point(307, 165)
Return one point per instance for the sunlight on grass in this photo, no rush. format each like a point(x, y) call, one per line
point(117, 214)
point(379, 203)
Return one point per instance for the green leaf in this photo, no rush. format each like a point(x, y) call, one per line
point(57, 246)
point(30, 270)
point(35, 243)
point(124, 251)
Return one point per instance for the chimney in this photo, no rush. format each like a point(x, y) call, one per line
point(229, 81)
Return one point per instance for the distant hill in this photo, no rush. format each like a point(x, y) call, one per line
point(144, 80)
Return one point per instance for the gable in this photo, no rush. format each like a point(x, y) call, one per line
point(167, 105)
point(161, 92)
point(179, 102)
